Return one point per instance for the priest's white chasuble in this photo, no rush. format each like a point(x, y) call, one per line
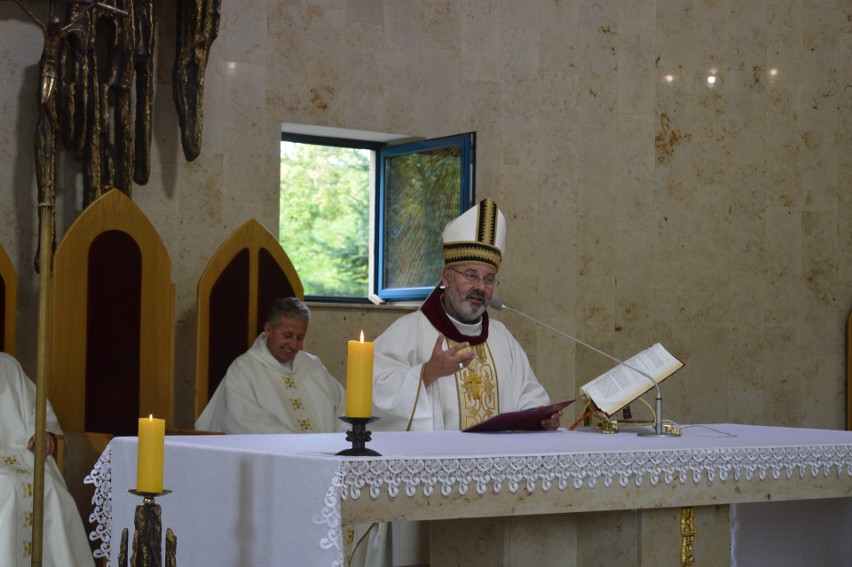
point(259, 394)
point(64, 538)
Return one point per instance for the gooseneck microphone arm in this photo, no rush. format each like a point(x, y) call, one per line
point(498, 305)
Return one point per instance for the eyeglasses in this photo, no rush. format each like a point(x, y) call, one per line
point(472, 278)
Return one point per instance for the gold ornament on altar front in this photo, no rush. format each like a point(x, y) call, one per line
point(687, 534)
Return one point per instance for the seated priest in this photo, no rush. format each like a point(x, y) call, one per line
point(64, 537)
point(447, 366)
point(275, 387)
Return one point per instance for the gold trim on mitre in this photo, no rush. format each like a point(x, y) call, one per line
point(477, 236)
point(471, 253)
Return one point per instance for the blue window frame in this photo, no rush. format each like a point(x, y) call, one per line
point(417, 189)
point(421, 187)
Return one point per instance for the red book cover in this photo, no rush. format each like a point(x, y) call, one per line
point(524, 420)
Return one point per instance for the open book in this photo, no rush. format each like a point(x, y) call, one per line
point(619, 386)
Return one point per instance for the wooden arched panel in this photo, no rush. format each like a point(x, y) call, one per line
point(8, 303)
point(244, 276)
point(113, 320)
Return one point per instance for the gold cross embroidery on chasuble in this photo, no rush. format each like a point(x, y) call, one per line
point(476, 386)
point(300, 413)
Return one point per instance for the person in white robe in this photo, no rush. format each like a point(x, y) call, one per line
point(447, 366)
point(276, 387)
point(64, 541)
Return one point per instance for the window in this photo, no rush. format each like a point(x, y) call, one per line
point(361, 218)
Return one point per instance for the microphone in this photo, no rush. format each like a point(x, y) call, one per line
point(498, 305)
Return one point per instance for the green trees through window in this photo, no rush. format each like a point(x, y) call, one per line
point(324, 217)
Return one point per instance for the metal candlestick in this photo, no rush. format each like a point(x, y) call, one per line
point(359, 435)
point(147, 546)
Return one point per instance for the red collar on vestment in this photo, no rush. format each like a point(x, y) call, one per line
point(434, 311)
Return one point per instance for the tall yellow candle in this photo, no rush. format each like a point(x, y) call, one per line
point(149, 458)
point(359, 379)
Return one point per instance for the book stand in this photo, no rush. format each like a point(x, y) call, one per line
point(608, 425)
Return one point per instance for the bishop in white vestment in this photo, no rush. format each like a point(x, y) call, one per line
point(447, 366)
point(64, 538)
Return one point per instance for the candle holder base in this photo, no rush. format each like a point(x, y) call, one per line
point(359, 435)
point(147, 546)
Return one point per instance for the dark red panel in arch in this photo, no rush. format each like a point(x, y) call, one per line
point(112, 329)
point(228, 318)
point(272, 284)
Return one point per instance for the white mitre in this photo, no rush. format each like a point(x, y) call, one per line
point(478, 236)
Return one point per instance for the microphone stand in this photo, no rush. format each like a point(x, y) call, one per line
point(658, 430)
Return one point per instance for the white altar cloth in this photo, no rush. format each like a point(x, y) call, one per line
point(276, 499)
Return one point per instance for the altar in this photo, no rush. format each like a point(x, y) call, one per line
point(500, 499)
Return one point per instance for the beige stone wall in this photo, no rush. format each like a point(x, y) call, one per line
point(712, 218)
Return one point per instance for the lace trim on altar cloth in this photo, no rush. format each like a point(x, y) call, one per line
point(330, 516)
point(101, 477)
point(524, 473)
point(587, 469)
